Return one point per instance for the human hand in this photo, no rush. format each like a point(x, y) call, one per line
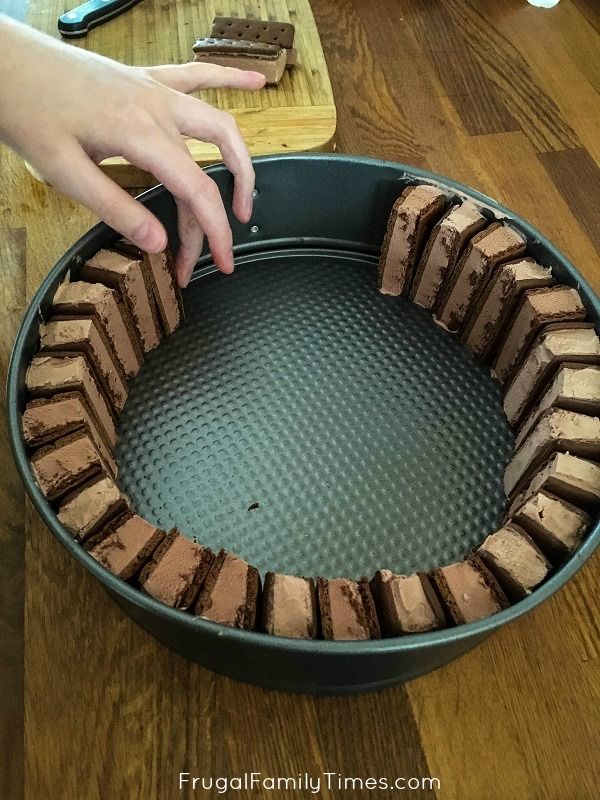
point(65, 109)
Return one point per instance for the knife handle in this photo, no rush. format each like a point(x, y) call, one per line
point(78, 21)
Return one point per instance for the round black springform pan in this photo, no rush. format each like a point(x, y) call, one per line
point(307, 423)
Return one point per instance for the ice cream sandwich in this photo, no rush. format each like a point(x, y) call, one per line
point(555, 525)
point(290, 606)
point(468, 591)
point(90, 507)
point(347, 609)
point(514, 559)
point(268, 59)
point(537, 308)
point(413, 215)
point(230, 593)
point(125, 545)
point(406, 603)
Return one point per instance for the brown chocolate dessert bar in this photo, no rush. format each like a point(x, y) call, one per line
point(557, 430)
point(257, 30)
point(513, 558)
point(128, 276)
point(557, 344)
point(469, 591)
point(442, 251)
point(268, 59)
point(555, 525)
point(65, 464)
point(230, 593)
point(406, 603)
point(487, 319)
point(574, 479)
point(84, 335)
point(47, 419)
point(485, 251)
point(347, 609)
point(165, 294)
point(51, 375)
point(576, 387)
point(177, 571)
point(83, 299)
point(125, 545)
point(410, 222)
point(290, 606)
point(88, 509)
point(537, 308)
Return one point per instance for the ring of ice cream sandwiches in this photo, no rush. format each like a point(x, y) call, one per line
point(475, 277)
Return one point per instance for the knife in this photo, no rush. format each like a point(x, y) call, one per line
point(78, 21)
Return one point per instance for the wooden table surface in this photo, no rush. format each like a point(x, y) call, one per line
point(501, 96)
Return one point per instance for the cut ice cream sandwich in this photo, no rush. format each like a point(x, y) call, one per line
point(555, 525)
point(177, 571)
point(47, 419)
point(290, 606)
point(90, 507)
point(488, 317)
point(537, 308)
point(555, 345)
point(125, 544)
point(84, 335)
point(84, 299)
point(442, 251)
point(347, 609)
point(575, 387)
point(573, 479)
point(50, 375)
point(469, 591)
point(230, 593)
point(557, 430)
point(513, 558)
point(406, 603)
point(410, 222)
point(65, 464)
point(484, 252)
point(128, 276)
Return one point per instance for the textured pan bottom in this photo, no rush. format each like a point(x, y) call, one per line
point(311, 425)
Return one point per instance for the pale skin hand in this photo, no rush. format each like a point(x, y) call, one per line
point(65, 109)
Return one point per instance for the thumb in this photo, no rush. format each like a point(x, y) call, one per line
point(75, 174)
point(193, 76)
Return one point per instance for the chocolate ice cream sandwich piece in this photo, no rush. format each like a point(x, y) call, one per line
point(84, 335)
point(442, 251)
point(514, 559)
point(84, 299)
point(555, 525)
point(575, 387)
point(557, 430)
point(90, 507)
point(537, 308)
point(347, 609)
point(483, 254)
point(47, 419)
point(410, 222)
point(571, 478)
point(555, 345)
point(128, 276)
point(487, 319)
point(177, 571)
point(125, 545)
point(268, 59)
point(165, 288)
point(50, 375)
point(230, 593)
point(290, 606)
point(406, 603)
point(64, 465)
point(265, 31)
point(469, 591)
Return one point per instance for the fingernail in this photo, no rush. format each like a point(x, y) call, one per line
point(151, 238)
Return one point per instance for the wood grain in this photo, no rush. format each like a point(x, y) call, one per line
point(501, 96)
point(298, 114)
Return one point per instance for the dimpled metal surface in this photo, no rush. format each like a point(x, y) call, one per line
point(306, 422)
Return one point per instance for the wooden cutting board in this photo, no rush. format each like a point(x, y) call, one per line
point(297, 115)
